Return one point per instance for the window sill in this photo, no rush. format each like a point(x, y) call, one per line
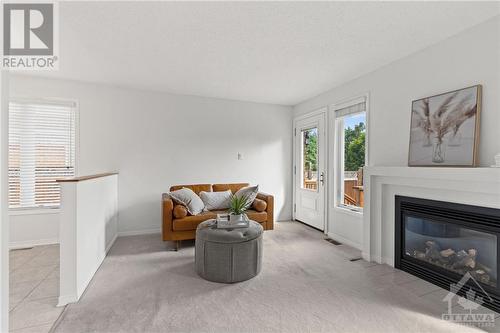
point(346, 210)
point(33, 211)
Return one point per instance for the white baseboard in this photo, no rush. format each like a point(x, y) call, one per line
point(111, 243)
point(377, 259)
point(344, 240)
point(372, 258)
point(31, 243)
point(387, 261)
point(366, 256)
point(66, 299)
point(139, 232)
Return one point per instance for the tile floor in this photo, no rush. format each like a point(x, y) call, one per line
point(34, 288)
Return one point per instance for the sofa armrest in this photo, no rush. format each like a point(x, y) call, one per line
point(269, 199)
point(167, 208)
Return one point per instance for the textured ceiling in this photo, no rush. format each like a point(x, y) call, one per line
point(280, 52)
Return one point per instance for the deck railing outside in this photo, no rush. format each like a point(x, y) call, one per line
point(353, 192)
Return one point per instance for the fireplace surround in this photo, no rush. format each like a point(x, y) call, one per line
point(440, 241)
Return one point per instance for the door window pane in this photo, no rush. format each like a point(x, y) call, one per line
point(310, 158)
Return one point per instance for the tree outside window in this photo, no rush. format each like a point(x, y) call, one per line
point(354, 147)
point(310, 158)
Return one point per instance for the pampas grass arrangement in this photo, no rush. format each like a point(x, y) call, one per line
point(447, 118)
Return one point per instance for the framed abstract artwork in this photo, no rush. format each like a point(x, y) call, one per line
point(444, 129)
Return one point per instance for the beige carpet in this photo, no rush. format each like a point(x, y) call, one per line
point(306, 285)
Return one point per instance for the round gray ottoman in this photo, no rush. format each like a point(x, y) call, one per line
point(228, 255)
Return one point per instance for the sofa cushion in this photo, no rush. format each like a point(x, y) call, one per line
point(191, 222)
point(259, 205)
point(185, 196)
point(260, 217)
point(216, 200)
point(196, 188)
point(250, 193)
point(232, 187)
point(180, 211)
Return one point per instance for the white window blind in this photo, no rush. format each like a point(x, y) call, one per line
point(41, 150)
point(352, 107)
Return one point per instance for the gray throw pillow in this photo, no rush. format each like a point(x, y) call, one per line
point(249, 192)
point(189, 199)
point(216, 200)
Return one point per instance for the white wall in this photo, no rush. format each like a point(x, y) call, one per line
point(157, 139)
point(30, 228)
point(88, 229)
point(469, 58)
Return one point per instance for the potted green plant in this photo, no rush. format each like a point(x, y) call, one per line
point(237, 208)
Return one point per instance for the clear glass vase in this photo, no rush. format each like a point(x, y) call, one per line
point(427, 140)
point(438, 151)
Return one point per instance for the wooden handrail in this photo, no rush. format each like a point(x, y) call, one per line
point(81, 178)
point(350, 200)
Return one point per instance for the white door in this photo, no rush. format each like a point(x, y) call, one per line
point(309, 170)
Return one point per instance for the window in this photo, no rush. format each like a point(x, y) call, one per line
point(350, 122)
point(41, 150)
point(310, 158)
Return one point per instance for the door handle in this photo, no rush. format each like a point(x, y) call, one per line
point(322, 178)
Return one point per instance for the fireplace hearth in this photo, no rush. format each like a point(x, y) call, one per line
point(441, 241)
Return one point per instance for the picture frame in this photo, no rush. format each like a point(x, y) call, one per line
point(445, 129)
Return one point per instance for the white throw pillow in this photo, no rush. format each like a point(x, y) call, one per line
point(216, 200)
point(249, 192)
point(189, 199)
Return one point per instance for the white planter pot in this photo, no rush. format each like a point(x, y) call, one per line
point(237, 218)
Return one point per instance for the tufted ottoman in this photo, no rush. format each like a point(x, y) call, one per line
point(228, 255)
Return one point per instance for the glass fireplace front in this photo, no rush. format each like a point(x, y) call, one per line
point(452, 247)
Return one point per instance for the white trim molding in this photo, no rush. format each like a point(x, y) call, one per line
point(344, 240)
point(139, 232)
point(33, 211)
point(472, 186)
point(32, 243)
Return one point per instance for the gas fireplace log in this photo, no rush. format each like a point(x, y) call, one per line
point(459, 262)
point(483, 267)
point(448, 257)
point(446, 253)
point(471, 262)
point(419, 255)
point(480, 276)
point(433, 250)
point(466, 260)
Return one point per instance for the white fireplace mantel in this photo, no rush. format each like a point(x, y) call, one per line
point(473, 186)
